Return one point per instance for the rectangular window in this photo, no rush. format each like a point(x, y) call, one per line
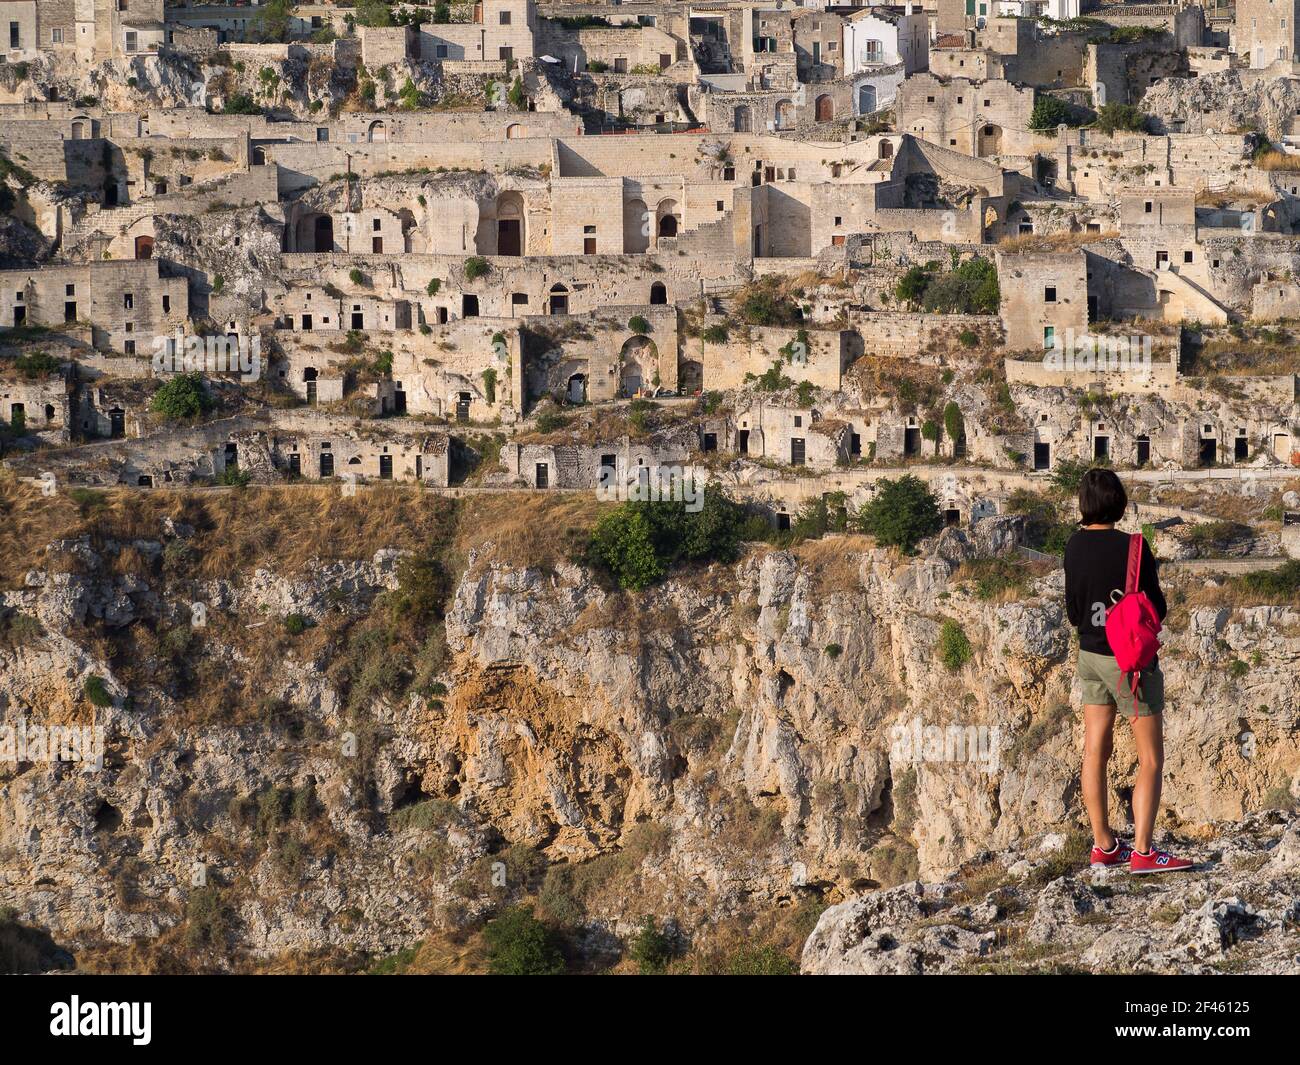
point(15, 35)
point(440, 51)
point(132, 40)
point(505, 18)
point(56, 36)
point(1049, 294)
point(128, 301)
point(506, 55)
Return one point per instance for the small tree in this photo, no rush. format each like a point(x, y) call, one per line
point(490, 384)
point(652, 950)
point(911, 286)
point(903, 512)
point(1048, 113)
point(638, 325)
point(475, 267)
point(432, 287)
point(520, 945)
point(184, 396)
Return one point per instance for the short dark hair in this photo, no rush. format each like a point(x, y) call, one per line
point(1102, 499)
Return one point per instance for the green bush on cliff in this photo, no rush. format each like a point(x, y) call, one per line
point(520, 945)
point(903, 512)
point(640, 541)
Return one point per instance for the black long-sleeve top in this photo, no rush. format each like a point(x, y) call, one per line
point(1096, 563)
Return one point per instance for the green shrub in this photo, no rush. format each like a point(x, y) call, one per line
point(490, 384)
point(475, 267)
point(1112, 117)
point(833, 650)
point(37, 364)
point(902, 513)
point(1049, 112)
point(209, 920)
point(518, 944)
point(432, 287)
point(968, 338)
point(356, 276)
point(715, 334)
point(651, 949)
point(549, 421)
point(638, 325)
point(97, 691)
point(296, 624)
point(954, 425)
point(954, 647)
point(637, 543)
point(184, 396)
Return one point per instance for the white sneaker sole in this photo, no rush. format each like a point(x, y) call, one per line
point(1177, 869)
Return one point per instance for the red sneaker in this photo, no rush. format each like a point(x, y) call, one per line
point(1117, 855)
point(1155, 861)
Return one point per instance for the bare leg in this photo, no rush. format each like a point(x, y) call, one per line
point(1148, 735)
point(1098, 742)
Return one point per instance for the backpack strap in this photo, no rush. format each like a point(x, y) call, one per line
point(1134, 573)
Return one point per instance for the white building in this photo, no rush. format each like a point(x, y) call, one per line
point(887, 36)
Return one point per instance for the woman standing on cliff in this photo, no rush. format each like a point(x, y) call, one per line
point(1096, 565)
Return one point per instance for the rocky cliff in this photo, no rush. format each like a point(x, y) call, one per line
point(342, 756)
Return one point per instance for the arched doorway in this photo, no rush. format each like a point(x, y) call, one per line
point(658, 293)
point(742, 119)
point(668, 220)
point(144, 247)
point(259, 156)
point(79, 126)
point(866, 99)
point(636, 227)
point(638, 355)
point(825, 109)
point(378, 132)
point(510, 224)
point(559, 300)
point(784, 114)
point(514, 131)
point(990, 140)
point(576, 391)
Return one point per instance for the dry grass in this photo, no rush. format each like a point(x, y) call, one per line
point(1275, 160)
point(525, 528)
point(833, 563)
point(1233, 195)
point(1032, 242)
point(234, 530)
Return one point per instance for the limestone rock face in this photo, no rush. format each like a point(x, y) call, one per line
point(1003, 912)
point(782, 729)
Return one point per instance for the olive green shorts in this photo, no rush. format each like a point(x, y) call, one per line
point(1104, 684)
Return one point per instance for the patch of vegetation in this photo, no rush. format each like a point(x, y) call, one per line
point(97, 693)
point(901, 514)
point(954, 646)
point(639, 542)
point(184, 396)
point(518, 944)
point(475, 267)
point(651, 949)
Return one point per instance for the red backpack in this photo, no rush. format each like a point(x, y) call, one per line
point(1132, 624)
